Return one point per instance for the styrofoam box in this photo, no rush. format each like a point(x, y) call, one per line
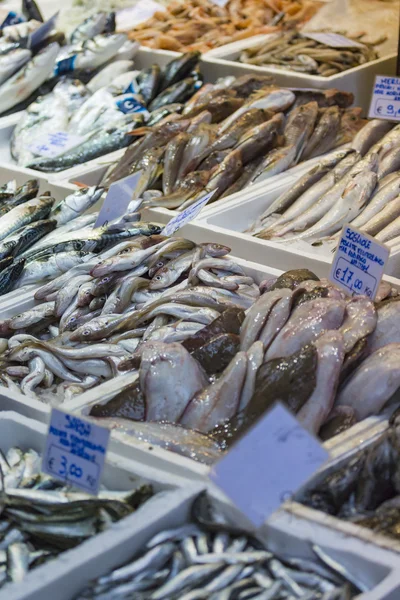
point(358, 80)
point(283, 533)
point(228, 221)
point(75, 567)
point(363, 533)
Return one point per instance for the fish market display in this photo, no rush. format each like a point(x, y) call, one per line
point(296, 52)
point(209, 558)
point(203, 25)
point(41, 517)
point(211, 349)
point(41, 239)
point(231, 134)
point(362, 189)
point(109, 112)
point(365, 489)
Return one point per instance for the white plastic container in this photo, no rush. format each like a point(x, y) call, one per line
point(228, 222)
point(363, 533)
point(62, 577)
point(358, 80)
point(284, 533)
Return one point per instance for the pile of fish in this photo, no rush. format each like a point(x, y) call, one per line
point(41, 239)
point(231, 134)
point(211, 350)
point(203, 25)
point(302, 342)
point(40, 517)
point(90, 46)
point(363, 188)
point(209, 559)
point(101, 115)
point(365, 489)
point(294, 51)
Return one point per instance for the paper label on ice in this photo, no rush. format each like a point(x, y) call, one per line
point(334, 40)
point(130, 17)
point(359, 263)
point(268, 464)
point(385, 101)
point(118, 198)
point(54, 144)
point(187, 215)
point(75, 451)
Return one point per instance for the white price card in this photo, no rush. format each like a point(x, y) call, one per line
point(75, 451)
point(333, 40)
point(54, 144)
point(130, 17)
point(359, 262)
point(187, 215)
point(268, 464)
point(385, 101)
point(118, 197)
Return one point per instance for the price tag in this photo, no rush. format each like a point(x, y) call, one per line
point(118, 197)
point(75, 451)
point(385, 101)
point(128, 104)
point(359, 263)
point(333, 40)
point(187, 215)
point(54, 144)
point(143, 10)
point(43, 31)
point(268, 464)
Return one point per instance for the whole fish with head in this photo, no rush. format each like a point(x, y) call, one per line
point(51, 266)
point(31, 76)
point(12, 61)
point(309, 181)
point(300, 124)
point(188, 190)
point(75, 204)
point(318, 208)
point(22, 239)
point(23, 214)
point(370, 134)
point(275, 99)
point(258, 139)
point(90, 27)
point(101, 141)
point(179, 68)
point(354, 197)
point(178, 92)
point(90, 53)
point(324, 135)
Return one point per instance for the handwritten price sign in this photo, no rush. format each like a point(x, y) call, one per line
point(75, 451)
point(359, 263)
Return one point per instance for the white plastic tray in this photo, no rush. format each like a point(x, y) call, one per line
point(228, 221)
point(363, 533)
point(284, 533)
point(358, 80)
point(79, 565)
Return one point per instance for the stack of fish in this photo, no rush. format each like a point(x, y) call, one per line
point(41, 517)
point(296, 52)
point(40, 239)
point(365, 489)
point(90, 46)
point(103, 113)
point(212, 350)
point(232, 134)
point(362, 189)
point(203, 25)
point(111, 287)
point(209, 559)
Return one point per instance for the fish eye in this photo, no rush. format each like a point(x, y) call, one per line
point(86, 332)
point(158, 278)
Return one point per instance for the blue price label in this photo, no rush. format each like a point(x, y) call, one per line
point(75, 451)
point(359, 263)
